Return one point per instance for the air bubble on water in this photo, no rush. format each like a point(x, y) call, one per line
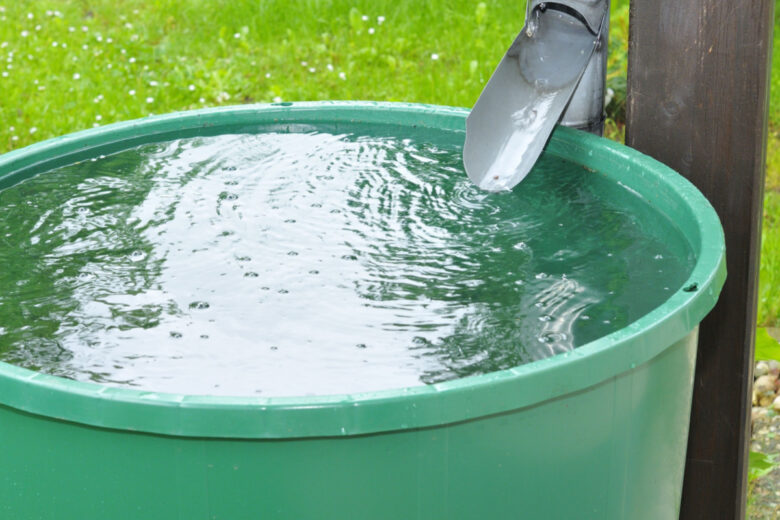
point(521, 246)
point(541, 276)
point(175, 335)
point(82, 210)
point(137, 256)
point(552, 337)
point(545, 317)
point(584, 317)
point(659, 257)
point(199, 305)
point(519, 282)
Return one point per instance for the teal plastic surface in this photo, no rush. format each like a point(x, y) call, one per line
point(599, 432)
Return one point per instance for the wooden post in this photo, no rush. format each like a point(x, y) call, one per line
point(698, 85)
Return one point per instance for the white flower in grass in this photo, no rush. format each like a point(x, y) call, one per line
point(434, 56)
point(76, 75)
point(191, 88)
point(380, 20)
point(131, 92)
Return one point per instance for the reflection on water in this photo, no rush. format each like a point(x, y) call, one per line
point(294, 264)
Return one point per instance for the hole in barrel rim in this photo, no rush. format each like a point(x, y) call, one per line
point(691, 288)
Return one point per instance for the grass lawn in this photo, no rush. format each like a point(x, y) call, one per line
point(67, 65)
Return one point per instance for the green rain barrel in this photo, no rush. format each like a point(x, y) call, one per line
point(599, 432)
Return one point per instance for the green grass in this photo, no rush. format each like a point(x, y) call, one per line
point(100, 61)
point(67, 65)
point(72, 64)
point(769, 278)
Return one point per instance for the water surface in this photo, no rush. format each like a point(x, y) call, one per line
point(313, 263)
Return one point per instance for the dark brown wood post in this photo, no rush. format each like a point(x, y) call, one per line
point(698, 86)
